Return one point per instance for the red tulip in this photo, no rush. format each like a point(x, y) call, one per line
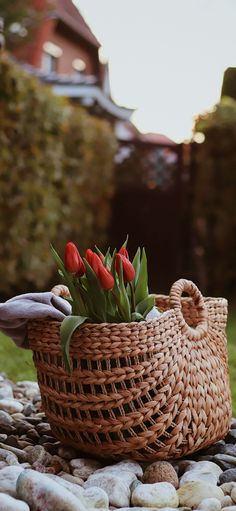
point(72, 260)
point(105, 278)
point(123, 251)
point(93, 260)
point(128, 269)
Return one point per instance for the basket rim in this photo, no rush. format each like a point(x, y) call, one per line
point(170, 311)
point(104, 324)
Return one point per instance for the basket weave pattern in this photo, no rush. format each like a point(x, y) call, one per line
point(152, 390)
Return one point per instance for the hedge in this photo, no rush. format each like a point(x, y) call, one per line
point(214, 204)
point(56, 175)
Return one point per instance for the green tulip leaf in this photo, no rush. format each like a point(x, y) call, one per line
point(135, 316)
point(141, 287)
point(146, 304)
point(68, 326)
point(136, 265)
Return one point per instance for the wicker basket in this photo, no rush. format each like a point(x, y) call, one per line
point(152, 390)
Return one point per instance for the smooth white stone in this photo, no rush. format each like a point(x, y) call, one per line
point(128, 465)
point(8, 457)
point(117, 489)
point(5, 418)
point(227, 501)
point(125, 475)
point(77, 490)
point(229, 508)
point(8, 478)
point(96, 497)
point(195, 475)
point(83, 467)
point(227, 487)
point(43, 493)
point(211, 504)
point(205, 467)
point(157, 494)
point(28, 384)
point(153, 508)
point(192, 494)
point(91, 497)
point(8, 503)
point(6, 391)
point(11, 405)
point(72, 479)
point(233, 494)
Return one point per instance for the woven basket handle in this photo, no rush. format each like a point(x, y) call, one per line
point(178, 288)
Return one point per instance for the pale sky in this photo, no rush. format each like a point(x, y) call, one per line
point(166, 57)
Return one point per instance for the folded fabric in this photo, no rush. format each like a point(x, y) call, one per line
point(16, 312)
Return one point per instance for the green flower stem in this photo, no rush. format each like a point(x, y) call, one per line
point(131, 286)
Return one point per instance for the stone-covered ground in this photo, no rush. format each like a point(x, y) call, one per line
point(37, 473)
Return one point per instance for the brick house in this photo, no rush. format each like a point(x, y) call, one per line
point(65, 53)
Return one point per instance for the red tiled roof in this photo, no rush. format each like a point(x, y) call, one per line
point(156, 138)
point(67, 12)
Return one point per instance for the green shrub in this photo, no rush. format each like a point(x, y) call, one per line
point(214, 205)
point(56, 167)
point(87, 185)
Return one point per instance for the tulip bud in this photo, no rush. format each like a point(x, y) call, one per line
point(128, 269)
point(93, 260)
point(72, 260)
point(123, 251)
point(105, 278)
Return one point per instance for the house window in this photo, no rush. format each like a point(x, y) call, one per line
point(79, 65)
point(50, 56)
point(49, 63)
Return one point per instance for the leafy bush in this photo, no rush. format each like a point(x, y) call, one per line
point(56, 167)
point(214, 207)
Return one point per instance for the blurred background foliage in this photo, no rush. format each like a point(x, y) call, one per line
point(20, 19)
point(214, 204)
point(56, 179)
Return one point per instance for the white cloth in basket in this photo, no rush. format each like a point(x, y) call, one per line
point(16, 312)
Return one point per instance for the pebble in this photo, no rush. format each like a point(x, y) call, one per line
point(128, 465)
point(135, 508)
point(227, 501)
point(8, 478)
point(8, 503)
point(72, 479)
point(29, 453)
point(5, 419)
point(68, 453)
point(41, 493)
point(161, 471)
point(225, 461)
point(83, 467)
point(227, 487)
point(228, 476)
point(210, 504)
point(125, 475)
point(40, 455)
point(118, 490)
point(157, 494)
point(191, 494)
point(233, 494)
point(11, 405)
point(8, 457)
point(6, 391)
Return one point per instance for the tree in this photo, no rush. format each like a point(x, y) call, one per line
point(20, 18)
point(214, 205)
